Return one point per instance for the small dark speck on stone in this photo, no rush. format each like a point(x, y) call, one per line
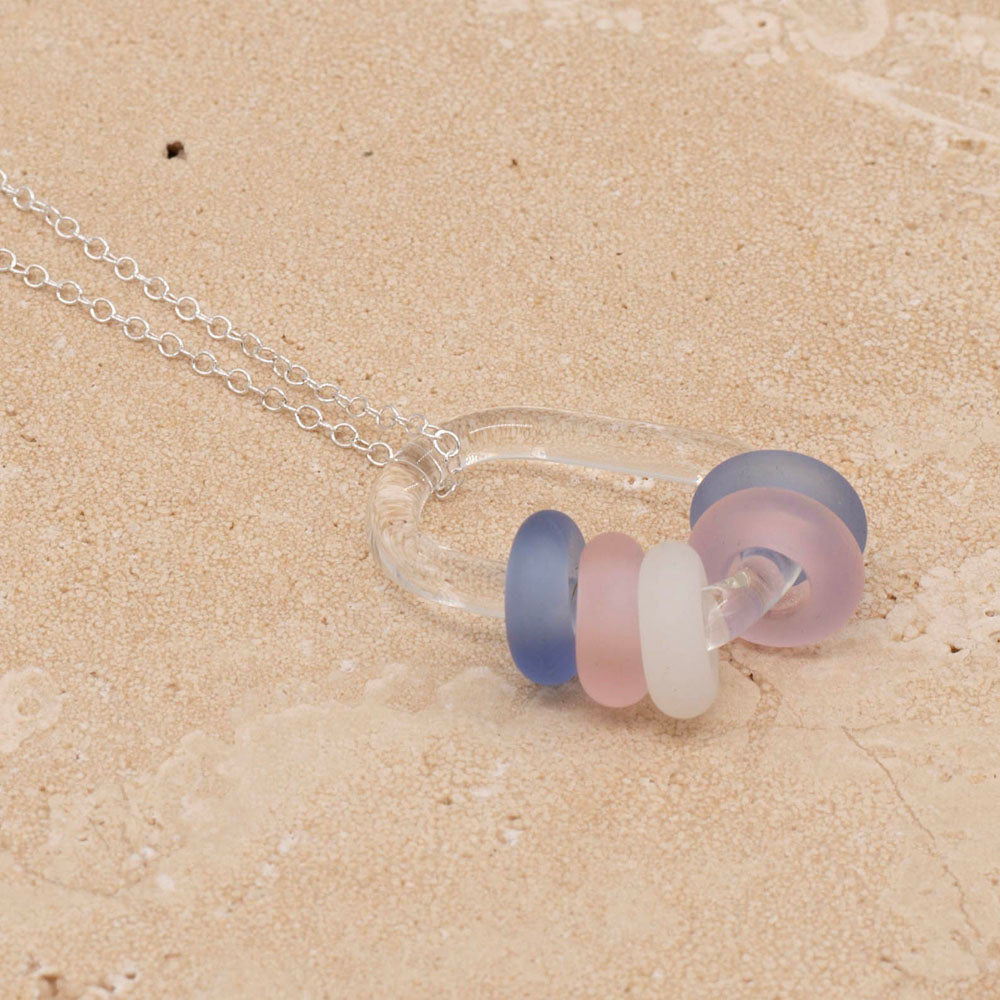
point(368, 152)
point(513, 161)
point(175, 149)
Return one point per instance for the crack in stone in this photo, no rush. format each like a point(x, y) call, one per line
point(928, 833)
point(34, 876)
point(912, 977)
point(769, 699)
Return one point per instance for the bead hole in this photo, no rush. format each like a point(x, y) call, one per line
point(796, 596)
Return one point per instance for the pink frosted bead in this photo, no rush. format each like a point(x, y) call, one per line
point(608, 652)
point(802, 529)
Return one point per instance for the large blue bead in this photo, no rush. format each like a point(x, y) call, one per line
point(540, 597)
point(787, 470)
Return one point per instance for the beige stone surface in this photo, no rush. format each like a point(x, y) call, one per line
point(234, 760)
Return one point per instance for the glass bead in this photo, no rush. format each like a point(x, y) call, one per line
point(608, 650)
point(805, 531)
point(540, 597)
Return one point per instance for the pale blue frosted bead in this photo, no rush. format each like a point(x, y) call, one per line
point(785, 470)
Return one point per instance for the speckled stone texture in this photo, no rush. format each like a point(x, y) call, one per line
point(234, 762)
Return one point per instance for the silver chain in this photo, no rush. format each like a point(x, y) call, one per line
point(344, 433)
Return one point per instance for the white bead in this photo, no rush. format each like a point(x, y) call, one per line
point(681, 673)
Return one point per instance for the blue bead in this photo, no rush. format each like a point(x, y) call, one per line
point(540, 597)
point(786, 470)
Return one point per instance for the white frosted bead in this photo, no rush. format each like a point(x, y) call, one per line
point(681, 673)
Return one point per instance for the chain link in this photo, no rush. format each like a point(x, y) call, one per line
point(309, 417)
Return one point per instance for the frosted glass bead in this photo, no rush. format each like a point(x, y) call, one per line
point(681, 673)
point(786, 470)
point(806, 532)
point(608, 651)
point(540, 597)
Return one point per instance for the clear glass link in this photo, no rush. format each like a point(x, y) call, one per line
point(760, 579)
point(437, 572)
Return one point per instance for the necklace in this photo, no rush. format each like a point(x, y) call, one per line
point(781, 534)
point(309, 416)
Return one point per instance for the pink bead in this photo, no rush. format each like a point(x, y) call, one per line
point(608, 652)
point(801, 529)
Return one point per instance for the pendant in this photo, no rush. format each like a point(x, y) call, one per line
point(774, 555)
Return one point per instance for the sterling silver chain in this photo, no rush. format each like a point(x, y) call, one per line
point(310, 417)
